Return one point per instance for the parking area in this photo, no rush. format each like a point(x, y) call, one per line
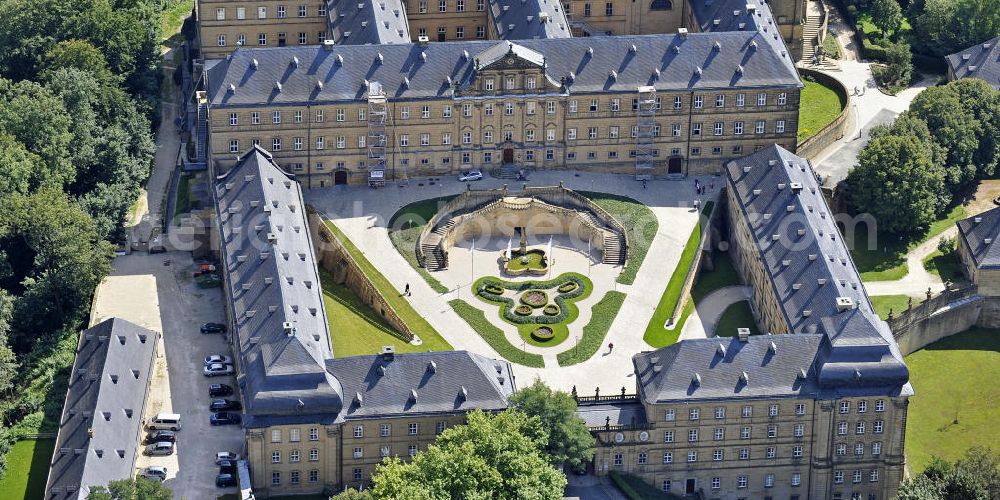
point(160, 293)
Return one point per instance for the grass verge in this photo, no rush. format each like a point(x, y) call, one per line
point(884, 303)
point(182, 202)
point(357, 329)
point(27, 469)
point(818, 106)
point(723, 275)
point(415, 321)
point(494, 336)
point(656, 334)
point(602, 315)
point(638, 220)
point(944, 266)
point(738, 315)
point(637, 489)
point(404, 231)
point(172, 16)
point(955, 403)
point(886, 260)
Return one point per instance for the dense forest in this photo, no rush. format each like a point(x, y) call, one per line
point(79, 94)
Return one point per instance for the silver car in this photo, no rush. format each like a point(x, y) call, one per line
point(472, 175)
point(218, 358)
point(226, 456)
point(161, 448)
point(215, 369)
point(154, 473)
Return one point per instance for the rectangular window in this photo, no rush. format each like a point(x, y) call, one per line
point(668, 436)
point(877, 427)
point(799, 430)
point(759, 127)
point(720, 434)
point(550, 134)
point(862, 406)
point(717, 455)
point(779, 127)
point(841, 449)
point(488, 109)
point(859, 449)
point(487, 137)
point(529, 135)
point(744, 453)
point(857, 476)
point(796, 452)
point(488, 84)
point(692, 456)
point(772, 431)
point(800, 409)
point(404, 140)
point(796, 479)
point(696, 129)
point(609, 9)
point(357, 474)
point(442, 6)
point(572, 106)
point(860, 428)
point(699, 101)
point(413, 428)
point(838, 477)
point(782, 99)
point(293, 457)
point(619, 459)
point(276, 144)
point(220, 14)
point(313, 455)
point(641, 458)
point(297, 143)
point(425, 112)
point(876, 448)
point(880, 405)
point(480, 32)
point(313, 434)
point(275, 478)
point(771, 452)
point(276, 117)
point(467, 110)
point(720, 101)
point(362, 141)
point(384, 430)
point(668, 457)
point(747, 412)
point(487, 157)
point(281, 11)
point(761, 99)
point(466, 137)
point(320, 142)
point(741, 482)
point(275, 457)
point(404, 113)
point(508, 109)
point(738, 128)
point(412, 450)
point(719, 127)
point(261, 12)
point(359, 452)
point(745, 433)
point(425, 139)
point(740, 100)
point(845, 407)
point(460, 5)
point(234, 146)
point(303, 38)
point(241, 13)
point(675, 130)
point(550, 107)
point(692, 435)
point(319, 116)
point(446, 111)
point(446, 138)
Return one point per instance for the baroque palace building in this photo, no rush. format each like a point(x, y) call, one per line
point(815, 409)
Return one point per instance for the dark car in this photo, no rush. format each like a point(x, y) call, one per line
point(161, 437)
point(213, 328)
point(227, 467)
point(219, 390)
point(225, 480)
point(225, 405)
point(224, 418)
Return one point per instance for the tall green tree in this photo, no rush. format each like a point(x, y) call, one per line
point(569, 440)
point(39, 121)
point(955, 129)
point(491, 457)
point(896, 182)
point(887, 16)
point(131, 489)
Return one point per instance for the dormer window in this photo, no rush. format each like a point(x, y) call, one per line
point(488, 84)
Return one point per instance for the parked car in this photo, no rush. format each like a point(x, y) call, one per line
point(218, 358)
point(471, 175)
point(224, 418)
point(154, 473)
point(216, 369)
point(219, 390)
point(225, 480)
point(225, 405)
point(161, 437)
point(227, 467)
point(162, 448)
point(165, 421)
point(213, 328)
point(225, 456)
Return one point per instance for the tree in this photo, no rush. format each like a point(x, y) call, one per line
point(887, 16)
point(81, 55)
point(975, 476)
point(983, 103)
point(353, 494)
point(38, 120)
point(131, 489)
point(943, 26)
point(569, 440)
point(492, 456)
point(919, 488)
point(955, 129)
point(898, 68)
point(896, 182)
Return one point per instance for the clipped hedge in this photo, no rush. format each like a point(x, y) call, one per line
point(508, 305)
point(567, 287)
point(523, 310)
point(494, 336)
point(542, 298)
point(543, 333)
point(551, 310)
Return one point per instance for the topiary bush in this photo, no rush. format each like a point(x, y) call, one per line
point(551, 310)
point(567, 287)
point(495, 290)
point(543, 333)
point(523, 310)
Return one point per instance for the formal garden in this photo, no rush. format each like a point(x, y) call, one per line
point(541, 310)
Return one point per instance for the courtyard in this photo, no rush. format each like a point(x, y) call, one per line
point(614, 305)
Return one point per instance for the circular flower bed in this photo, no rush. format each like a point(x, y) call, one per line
point(566, 287)
point(543, 333)
point(523, 310)
point(534, 298)
point(551, 310)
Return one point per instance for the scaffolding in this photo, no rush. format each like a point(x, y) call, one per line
point(645, 133)
point(377, 138)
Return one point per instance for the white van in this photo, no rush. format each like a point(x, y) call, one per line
point(165, 421)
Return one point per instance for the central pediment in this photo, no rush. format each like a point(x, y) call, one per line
point(509, 55)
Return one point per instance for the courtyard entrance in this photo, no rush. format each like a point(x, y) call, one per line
point(340, 178)
point(508, 155)
point(675, 165)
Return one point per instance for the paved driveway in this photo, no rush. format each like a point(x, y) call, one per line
point(158, 291)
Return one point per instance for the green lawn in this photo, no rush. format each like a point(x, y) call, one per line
point(356, 329)
point(887, 261)
point(735, 316)
point(602, 315)
point(404, 231)
point(27, 469)
point(947, 267)
point(638, 220)
point(635, 488)
point(494, 336)
point(955, 405)
point(818, 106)
point(831, 46)
point(656, 334)
point(415, 321)
point(897, 303)
point(722, 276)
point(183, 203)
point(172, 16)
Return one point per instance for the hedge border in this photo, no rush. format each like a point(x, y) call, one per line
point(494, 336)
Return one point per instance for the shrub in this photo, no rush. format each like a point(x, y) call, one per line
point(567, 287)
point(551, 310)
point(534, 298)
point(495, 290)
point(523, 310)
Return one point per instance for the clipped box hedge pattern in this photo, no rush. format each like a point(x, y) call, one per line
point(508, 304)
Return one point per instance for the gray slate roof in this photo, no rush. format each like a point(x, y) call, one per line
point(104, 408)
point(810, 268)
point(980, 234)
point(273, 286)
point(698, 369)
point(612, 413)
point(408, 71)
point(529, 19)
point(979, 61)
point(375, 22)
point(452, 381)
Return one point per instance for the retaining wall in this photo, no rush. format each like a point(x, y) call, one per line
point(334, 258)
point(951, 312)
point(833, 131)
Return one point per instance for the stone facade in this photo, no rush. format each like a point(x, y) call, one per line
point(789, 448)
point(224, 25)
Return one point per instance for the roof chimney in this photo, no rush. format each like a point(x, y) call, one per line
point(388, 352)
point(743, 334)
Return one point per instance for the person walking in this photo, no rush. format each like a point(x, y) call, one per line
point(644, 184)
point(611, 347)
point(406, 291)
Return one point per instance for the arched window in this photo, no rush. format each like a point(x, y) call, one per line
point(661, 5)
